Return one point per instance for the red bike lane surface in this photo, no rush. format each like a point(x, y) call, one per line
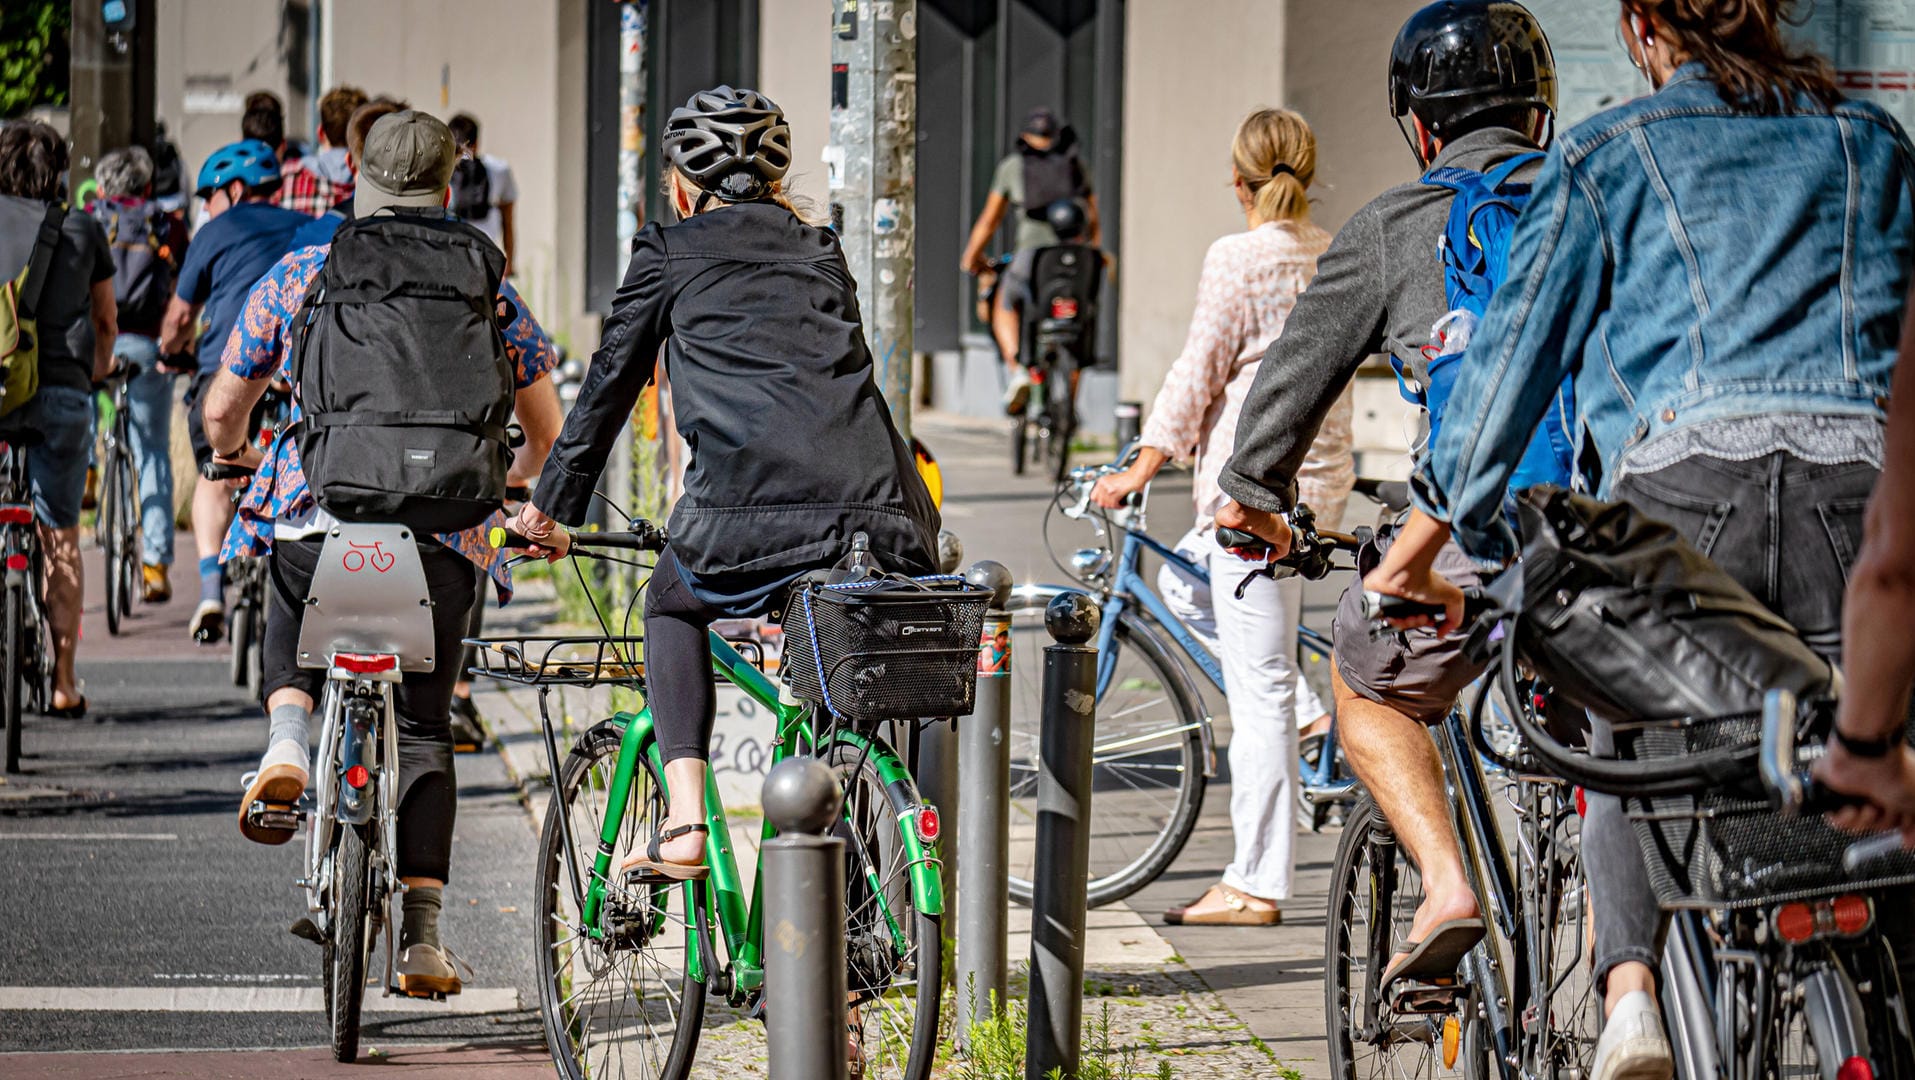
point(152, 631)
point(481, 1062)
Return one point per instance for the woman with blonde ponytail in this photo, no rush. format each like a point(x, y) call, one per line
point(1250, 281)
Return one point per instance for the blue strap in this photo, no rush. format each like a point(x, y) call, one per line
point(1497, 177)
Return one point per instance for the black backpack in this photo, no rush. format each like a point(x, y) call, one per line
point(143, 264)
point(402, 375)
point(471, 189)
point(1053, 174)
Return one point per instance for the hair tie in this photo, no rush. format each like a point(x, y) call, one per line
point(1280, 169)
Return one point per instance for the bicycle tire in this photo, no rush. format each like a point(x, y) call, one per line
point(348, 940)
point(131, 547)
point(256, 657)
point(1063, 425)
point(596, 750)
point(239, 661)
point(1177, 815)
point(1020, 436)
point(1371, 902)
point(111, 541)
point(871, 821)
point(16, 675)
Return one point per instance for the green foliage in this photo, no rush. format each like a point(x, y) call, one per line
point(994, 1050)
point(33, 52)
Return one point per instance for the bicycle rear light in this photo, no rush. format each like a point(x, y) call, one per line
point(1851, 914)
point(366, 663)
point(358, 777)
point(1855, 1068)
point(1844, 916)
point(1063, 307)
point(1795, 923)
point(16, 515)
point(929, 825)
point(18, 563)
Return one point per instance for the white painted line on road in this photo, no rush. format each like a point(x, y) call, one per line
point(236, 999)
point(88, 836)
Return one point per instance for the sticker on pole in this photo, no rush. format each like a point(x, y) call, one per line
point(994, 648)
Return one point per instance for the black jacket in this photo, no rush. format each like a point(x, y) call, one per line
point(793, 449)
point(1379, 288)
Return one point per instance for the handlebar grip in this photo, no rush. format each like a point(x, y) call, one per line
point(218, 470)
point(647, 537)
point(1245, 541)
point(1378, 606)
point(504, 539)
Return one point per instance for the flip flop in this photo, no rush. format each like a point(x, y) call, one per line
point(1236, 912)
point(653, 865)
point(1437, 956)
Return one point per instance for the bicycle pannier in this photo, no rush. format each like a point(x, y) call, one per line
point(886, 648)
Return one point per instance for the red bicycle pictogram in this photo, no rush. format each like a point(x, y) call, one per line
point(359, 556)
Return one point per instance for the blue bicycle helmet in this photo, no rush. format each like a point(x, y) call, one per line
point(248, 160)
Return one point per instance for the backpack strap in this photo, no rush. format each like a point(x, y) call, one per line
point(1500, 175)
point(44, 246)
point(446, 418)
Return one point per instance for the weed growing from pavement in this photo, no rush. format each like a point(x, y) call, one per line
point(994, 1048)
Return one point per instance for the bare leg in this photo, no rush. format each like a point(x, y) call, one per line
point(1398, 764)
point(64, 589)
point(1004, 327)
point(685, 779)
point(1625, 977)
point(212, 513)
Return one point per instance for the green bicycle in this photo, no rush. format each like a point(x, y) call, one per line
point(625, 967)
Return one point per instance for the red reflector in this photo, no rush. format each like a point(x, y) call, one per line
point(366, 663)
point(358, 777)
point(1852, 915)
point(928, 824)
point(17, 563)
point(1582, 803)
point(1855, 1068)
point(1795, 923)
point(16, 515)
point(1063, 307)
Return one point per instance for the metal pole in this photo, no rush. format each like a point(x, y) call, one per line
point(804, 941)
point(871, 168)
point(984, 763)
point(937, 755)
point(100, 95)
point(1130, 422)
point(1056, 1010)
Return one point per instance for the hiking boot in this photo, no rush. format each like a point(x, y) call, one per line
point(155, 586)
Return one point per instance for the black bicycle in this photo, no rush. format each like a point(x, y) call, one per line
point(27, 682)
point(246, 623)
point(118, 526)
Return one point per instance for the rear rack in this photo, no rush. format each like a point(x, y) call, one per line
point(575, 660)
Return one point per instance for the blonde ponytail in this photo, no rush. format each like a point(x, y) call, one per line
point(1275, 154)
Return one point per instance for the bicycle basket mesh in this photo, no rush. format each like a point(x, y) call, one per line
point(1727, 849)
point(888, 649)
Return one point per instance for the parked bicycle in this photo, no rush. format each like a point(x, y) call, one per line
point(626, 964)
point(1155, 750)
point(27, 681)
point(118, 526)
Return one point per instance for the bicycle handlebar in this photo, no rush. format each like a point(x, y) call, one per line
point(1378, 606)
point(1310, 548)
point(643, 536)
point(225, 470)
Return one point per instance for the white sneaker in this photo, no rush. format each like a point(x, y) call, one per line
point(1633, 1046)
point(209, 622)
point(1018, 394)
point(280, 780)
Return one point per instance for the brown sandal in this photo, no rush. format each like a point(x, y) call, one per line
point(1237, 911)
point(652, 865)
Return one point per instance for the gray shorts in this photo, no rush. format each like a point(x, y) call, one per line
point(1014, 289)
point(1412, 671)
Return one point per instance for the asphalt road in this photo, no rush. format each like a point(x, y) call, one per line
point(136, 917)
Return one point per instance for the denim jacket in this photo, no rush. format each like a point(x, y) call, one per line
point(1686, 262)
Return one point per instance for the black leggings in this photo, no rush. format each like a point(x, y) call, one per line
point(678, 664)
point(428, 787)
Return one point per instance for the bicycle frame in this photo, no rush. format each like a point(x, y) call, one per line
point(741, 918)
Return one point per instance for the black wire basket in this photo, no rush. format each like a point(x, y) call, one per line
point(886, 649)
point(1726, 849)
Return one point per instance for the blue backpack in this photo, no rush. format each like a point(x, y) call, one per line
point(1474, 252)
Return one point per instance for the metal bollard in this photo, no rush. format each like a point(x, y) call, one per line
point(1130, 422)
point(804, 940)
point(984, 765)
point(1056, 1011)
point(935, 754)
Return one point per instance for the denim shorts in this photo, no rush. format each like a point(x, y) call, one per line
point(56, 468)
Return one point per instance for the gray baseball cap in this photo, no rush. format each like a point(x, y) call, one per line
point(408, 161)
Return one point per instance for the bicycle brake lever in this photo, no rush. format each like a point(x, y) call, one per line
point(1268, 570)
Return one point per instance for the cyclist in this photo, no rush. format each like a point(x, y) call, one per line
point(1250, 282)
point(1379, 288)
point(406, 172)
point(320, 229)
point(1744, 407)
point(314, 184)
point(1044, 169)
point(77, 325)
point(243, 235)
point(793, 450)
point(148, 245)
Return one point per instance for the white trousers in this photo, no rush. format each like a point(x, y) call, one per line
point(1255, 640)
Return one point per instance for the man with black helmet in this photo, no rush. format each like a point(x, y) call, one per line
point(1472, 85)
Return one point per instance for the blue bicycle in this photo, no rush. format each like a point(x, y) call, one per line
point(1155, 750)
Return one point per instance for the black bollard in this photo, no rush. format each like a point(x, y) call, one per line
point(984, 767)
point(804, 936)
point(1056, 1010)
point(1130, 422)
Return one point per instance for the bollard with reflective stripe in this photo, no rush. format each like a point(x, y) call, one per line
point(1063, 839)
point(984, 820)
point(805, 980)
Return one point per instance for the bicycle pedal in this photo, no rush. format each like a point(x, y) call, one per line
point(309, 930)
point(1426, 999)
point(421, 995)
point(276, 816)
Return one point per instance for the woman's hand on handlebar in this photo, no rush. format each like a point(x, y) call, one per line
point(1888, 783)
point(551, 539)
point(1272, 529)
point(1116, 489)
point(1408, 571)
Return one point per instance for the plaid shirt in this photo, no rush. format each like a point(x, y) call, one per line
point(306, 192)
point(259, 346)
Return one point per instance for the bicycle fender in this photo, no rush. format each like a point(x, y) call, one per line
point(925, 868)
point(354, 806)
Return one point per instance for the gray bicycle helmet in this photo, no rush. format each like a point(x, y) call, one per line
point(732, 144)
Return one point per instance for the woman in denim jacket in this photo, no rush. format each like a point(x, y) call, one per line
point(1721, 265)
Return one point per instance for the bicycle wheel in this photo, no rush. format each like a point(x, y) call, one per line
point(618, 998)
point(1556, 913)
point(112, 542)
point(1063, 425)
point(1374, 891)
point(240, 660)
point(1313, 664)
point(16, 674)
point(348, 940)
point(1020, 438)
point(130, 543)
point(895, 961)
point(1148, 765)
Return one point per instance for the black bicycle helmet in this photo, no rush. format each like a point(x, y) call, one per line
point(732, 144)
point(1457, 58)
point(1067, 218)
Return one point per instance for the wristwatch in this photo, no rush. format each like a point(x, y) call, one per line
point(1878, 747)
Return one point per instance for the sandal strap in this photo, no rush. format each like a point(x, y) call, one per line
point(652, 847)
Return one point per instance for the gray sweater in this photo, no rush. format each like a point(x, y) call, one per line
point(1379, 288)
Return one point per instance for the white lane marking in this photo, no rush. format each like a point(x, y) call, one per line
point(238, 999)
point(88, 836)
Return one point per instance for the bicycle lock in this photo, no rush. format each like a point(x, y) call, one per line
point(1059, 893)
point(983, 815)
point(805, 978)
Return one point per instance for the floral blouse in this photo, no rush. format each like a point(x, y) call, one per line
point(1250, 282)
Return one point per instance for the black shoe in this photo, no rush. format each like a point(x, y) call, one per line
point(468, 735)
